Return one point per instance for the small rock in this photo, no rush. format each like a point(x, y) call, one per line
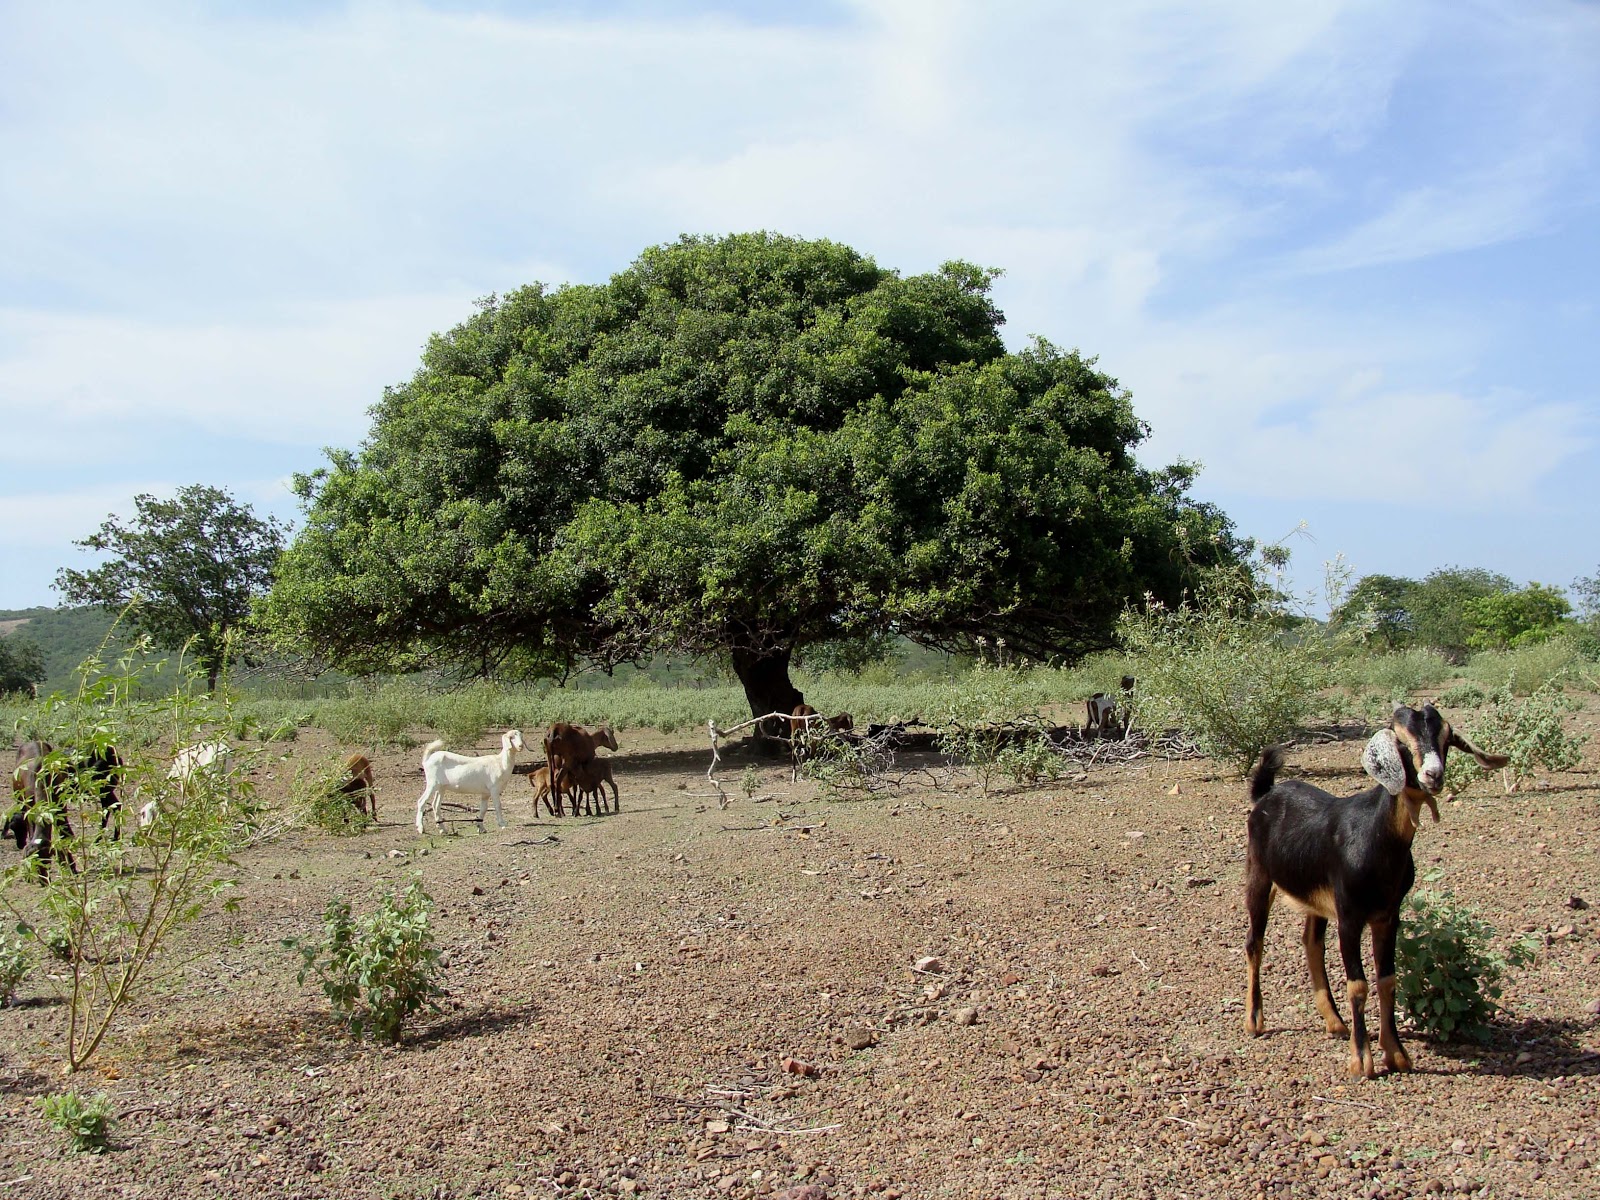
point(929, 965)
point(1175, 790)
point(858, 1038)
point(1562, 933)
point(477, 891)
point(1577, 903)
point(716, 1127)
point(1592, 1008)
point(628, 1187)
point(1196, 881)
point(795, 1066)
point(965, 1016)
point(397, 854)
point(1524, 1058)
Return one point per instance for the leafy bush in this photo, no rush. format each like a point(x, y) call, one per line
point(127, 896)
point(1463, 695)
point(14, 966)
point(1450, 979)
point(86, 1122)
point(316, 801)
point(1226, 672)
point(377, 971)
point(992, 723)
point(1531, 731)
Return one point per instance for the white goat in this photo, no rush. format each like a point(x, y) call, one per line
point(484, 776)
point(202, 758)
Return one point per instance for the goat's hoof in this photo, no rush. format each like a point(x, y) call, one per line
point(1255, 1026)
point(1341, 1031)
point(1400, 1061)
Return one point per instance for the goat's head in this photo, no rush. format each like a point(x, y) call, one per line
point(606, 737)
point(1409, 755)
point(512, 740)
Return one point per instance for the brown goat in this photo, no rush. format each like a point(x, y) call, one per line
point(539, 779)
point(358, 785)
point(588, 780)
point(566, 746)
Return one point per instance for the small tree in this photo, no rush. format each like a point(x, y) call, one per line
point(194, 564)
point(109, 918)
point(21, 664)
point(1506, 619)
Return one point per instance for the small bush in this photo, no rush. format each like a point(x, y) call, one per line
point(380, 970)
point(1463, 695)
point(1450, 978)
point(1531, 731)
point(315, 800)
point(86, 1122)
point(14, 966)
point(1526, 669)
point(1227, 673)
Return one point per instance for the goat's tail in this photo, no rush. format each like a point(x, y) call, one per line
point(432, 748)
point(1265, 773)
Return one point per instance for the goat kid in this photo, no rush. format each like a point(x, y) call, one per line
point(484, 776)
point(588, 781)
point(566, 745)
point(1347, 859)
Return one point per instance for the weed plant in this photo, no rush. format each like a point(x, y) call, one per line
point(1527, 669)
point(316, 802)
point(15, 963)
point(1397, 676)
point(377, 971)
point(85, 1122)
point(1450, 978)
point(1532, 731)
point(110, 919)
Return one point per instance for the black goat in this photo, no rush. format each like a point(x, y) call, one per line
point(1347, 859)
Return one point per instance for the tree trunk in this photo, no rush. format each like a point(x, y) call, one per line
point(765, 678)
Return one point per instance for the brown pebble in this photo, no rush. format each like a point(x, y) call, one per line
point(858, 1038)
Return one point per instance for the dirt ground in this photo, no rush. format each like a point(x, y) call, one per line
point(682, 1000)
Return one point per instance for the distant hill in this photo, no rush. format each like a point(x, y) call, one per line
point(66, 636)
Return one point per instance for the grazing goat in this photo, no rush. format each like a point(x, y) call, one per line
point(566, 746)
point(484, 776)
point(1347, 859)
point(1103, 716)
point(588, 781)
point(189, 764)
point(358, 786)
point(42, 788)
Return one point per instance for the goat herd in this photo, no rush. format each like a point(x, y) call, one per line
point(1345, 859)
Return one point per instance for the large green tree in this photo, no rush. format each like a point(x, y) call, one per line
point(21, 664)
point(741, 446)
point(195, 565)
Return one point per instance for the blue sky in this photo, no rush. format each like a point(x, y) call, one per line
point(1345, 255)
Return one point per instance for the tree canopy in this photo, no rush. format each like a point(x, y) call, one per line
point(744, 446)
point(194, 563)
point(1456, 609)
point(21, 664)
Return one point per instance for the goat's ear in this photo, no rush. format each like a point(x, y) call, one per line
point(1484, 758)
point(1381, 759)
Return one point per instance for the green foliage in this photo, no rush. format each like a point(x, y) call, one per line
point(15, 963)
point(380, 970)
point(68, 635)
point(991, 723)
point(1225, 671)
point(316, 801)
point(1507, 619)
point(1376, 609)
point(1463, 695)
point(1528, 667)
point(85, 1122)
point(111, 918)
point(189, 567)
point(1532, 731)
point(1438, 605)
point(1450, 979)
point(739, 447)
point(1399, 675)
point(21, 664)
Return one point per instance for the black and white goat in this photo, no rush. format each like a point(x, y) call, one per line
point(1347, 859)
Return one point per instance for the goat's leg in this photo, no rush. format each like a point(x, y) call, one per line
point(422, 803)
point(1314, 936)
point(1384, 934)
point(1257, 903)
point(1361, 1060)
point(499, 817)
point(616, 803)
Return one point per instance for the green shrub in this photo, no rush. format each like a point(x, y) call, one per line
point(1399, 675)
point(1531, 731)
point(1227, 673)
point(991, 722)
point(1450, 978)
point(112, 917)
point(86, 1122)
point(315, 800)
point(380, 970)
point(14, 966)
point(1463, 695)
point(1526, 669)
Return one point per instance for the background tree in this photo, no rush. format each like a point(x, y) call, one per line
point(1516, 618)
point(1438, 606)
point(1378, 603)
point(196, 563)
point(742, 446)
point(21, 664)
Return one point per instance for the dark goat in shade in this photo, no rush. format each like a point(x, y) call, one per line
point(566, 746)
point(40, 793)
point(1347, 859)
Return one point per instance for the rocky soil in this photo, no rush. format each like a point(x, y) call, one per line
point(685, 1000)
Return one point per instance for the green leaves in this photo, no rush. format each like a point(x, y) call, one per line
point(380, 970)
point(1450, 979)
